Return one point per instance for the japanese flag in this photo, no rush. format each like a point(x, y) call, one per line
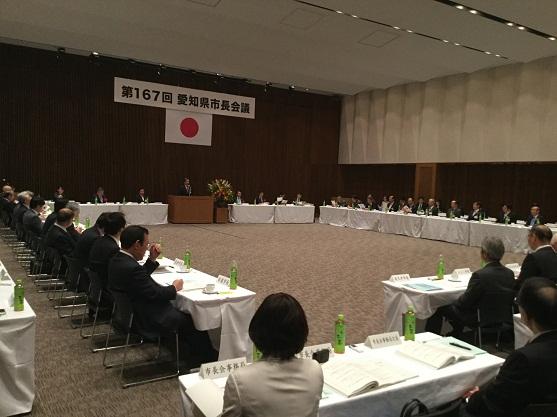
point(188, 128)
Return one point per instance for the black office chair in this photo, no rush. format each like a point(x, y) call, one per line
point(122, 321)
point(72, 281)
point(495, 315)
point(415, 408)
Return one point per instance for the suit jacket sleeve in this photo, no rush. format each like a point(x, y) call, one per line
point(150, 266)
point(528, 269)
point(65, 245)
point(471, 297)
point(145, 288)
point(232, 406)
point(507, 393)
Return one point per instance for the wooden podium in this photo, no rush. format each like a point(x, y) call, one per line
point(198, 209)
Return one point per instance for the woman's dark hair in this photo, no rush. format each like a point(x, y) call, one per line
point(279, 327)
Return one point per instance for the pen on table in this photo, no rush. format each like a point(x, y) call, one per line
point(460, 346)
point(355, 348)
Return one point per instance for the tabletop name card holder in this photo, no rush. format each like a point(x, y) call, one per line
point(375, 341)
point(460, 273)
point(179, 265)
point(223, 280)
point(308, 351)
point(400, 278)
point(221, 369)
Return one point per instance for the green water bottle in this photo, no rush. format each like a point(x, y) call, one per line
point(146, 200)
point(124, 200)
point(96, 200)
point(340, 334)
point(257, 354)
point(441, 268)
point(451, 214)
point(87, 222)
point(410, 324)
point(19, 295)
point(233, 275)
point(187, 260)
point(324, 204)
point(506, 220)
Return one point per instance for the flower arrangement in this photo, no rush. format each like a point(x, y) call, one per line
point(222, 193)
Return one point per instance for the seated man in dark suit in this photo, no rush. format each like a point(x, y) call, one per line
point(23, 199)
point(432, 209)
point(88, 238)
point(454, 210)
point(507, 216)
point(59, 193)
point(31, 218)
point(99, 196)
point(477, 212)
point(102, 251)
point(535, 216)
point(371, 204)
point(493, 277)
point(391, 204)
point(542, 261)
point(141, 199)
point(185, 188)
point(529, 374)
point(51, 218)
point(151, 301)
point(419, 207)
point(58, 237)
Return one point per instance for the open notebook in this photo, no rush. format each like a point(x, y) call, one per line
point(356, 377)
point(433, 354)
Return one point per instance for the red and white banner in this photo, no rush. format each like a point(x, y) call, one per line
point(188, 128)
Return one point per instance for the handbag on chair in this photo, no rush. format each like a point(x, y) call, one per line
point(416, 408)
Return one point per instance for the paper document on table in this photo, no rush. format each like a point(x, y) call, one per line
point(356, 377)
point(207, 397)
point(454, 343)
point(423, 287)
point(193, 285)
point(435, 355)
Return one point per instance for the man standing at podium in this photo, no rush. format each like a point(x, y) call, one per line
point(185, 188)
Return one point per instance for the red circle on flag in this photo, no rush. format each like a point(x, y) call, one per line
point(189, 127)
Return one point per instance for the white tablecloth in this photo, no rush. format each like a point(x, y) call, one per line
point(249, 213)
point(93, 211)
point(17, 354)
point(401, 224)
point(229, 311)
point(145, 214)
point(361, 219)
point(294, 214)
point(448, 230)
point(514, 237)
point(433, 387)
point(397, 298)
point(335, 216)
point(522, 334)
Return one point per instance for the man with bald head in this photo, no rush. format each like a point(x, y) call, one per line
point(542, 261)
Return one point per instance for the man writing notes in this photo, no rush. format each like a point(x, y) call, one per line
point(493, 277)
point(151, 301)
point(542, 261)
point(185, 188)
point(529, 374)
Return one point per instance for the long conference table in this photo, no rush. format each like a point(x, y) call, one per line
point(17, 352)
point(463, 232)
point(139, 214)
point(225, 315)
point(269, 213)
point(432, 386)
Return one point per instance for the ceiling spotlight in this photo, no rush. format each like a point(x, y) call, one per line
point(474, 11)
point(456, 44)
point(498, 56)
point(510, 24)
point(292, 87)
point(459, 7)
point(61, 50)
point(339, 11)
point(521, 28)
point(446, 41)
point(95, 53)
point(409, 31)
point(487, 52)
point(396, 27)
point(551, 38)
point(306, 89)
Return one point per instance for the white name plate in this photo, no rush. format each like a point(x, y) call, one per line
point(223, 280)
point(179, 265)
point(221, 369)
point(308, 351)
point(399, 278)
point(383, 340)
point(460, 273)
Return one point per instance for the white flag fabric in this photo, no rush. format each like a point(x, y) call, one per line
point(188, 128)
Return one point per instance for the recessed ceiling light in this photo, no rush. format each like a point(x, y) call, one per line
point(510, 24)
point(409, 31)
point(446, 41)
point(487, 52)
point(474, 11)
point(339, 11)
point(456, 44)
point(551, 38)
point(396, 27)
point(498, 56)
point(354, 16)
point(97, 54)
point(459, 7)
point(521, 28)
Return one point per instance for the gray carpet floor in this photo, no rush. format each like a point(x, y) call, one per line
point(330, 270)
